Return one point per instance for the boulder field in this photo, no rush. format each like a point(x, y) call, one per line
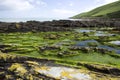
point(56, 25)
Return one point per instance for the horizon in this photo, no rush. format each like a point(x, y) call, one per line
point(46, 8)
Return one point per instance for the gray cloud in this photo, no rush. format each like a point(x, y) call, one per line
point(20, 4)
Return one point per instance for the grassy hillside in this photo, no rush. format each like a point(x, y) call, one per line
point(111, 10)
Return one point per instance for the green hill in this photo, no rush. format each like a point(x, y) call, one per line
point(111, 10)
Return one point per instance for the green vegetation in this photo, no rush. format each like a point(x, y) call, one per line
point(27, 53)
point(111, 10)
point(58, 46)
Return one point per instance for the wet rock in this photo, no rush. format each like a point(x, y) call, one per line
point(115, 71)
point(75, 48)
point(49, 48)
point(85, 34)
point(27, 68)
point(3, 46)
point(2, 75)
point(66, 53)
point(84, 49)
point(14, 67)
point(6, 48)
point(102, 69)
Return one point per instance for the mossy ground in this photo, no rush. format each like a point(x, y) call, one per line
point(27, 44)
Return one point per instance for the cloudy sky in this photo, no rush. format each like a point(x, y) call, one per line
point(47, 8)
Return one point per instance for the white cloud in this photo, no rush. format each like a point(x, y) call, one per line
point(109, 1)
point(38, 2)
point(19, 4)
point(63, 11)
point(71, 4)
point(98, 3)
point(15, 4)
point(106, 1)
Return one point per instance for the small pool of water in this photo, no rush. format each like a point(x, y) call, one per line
point(96, 33)
point(84, 30)
point(109, 48)
point(104, 34)
point(115, 42)
point(85, 44)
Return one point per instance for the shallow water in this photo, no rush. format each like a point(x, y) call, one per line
point(84, 44)
point(115, 42)
point(97, 33)
point(103, 34)
point(110, 48)
point(84, 30)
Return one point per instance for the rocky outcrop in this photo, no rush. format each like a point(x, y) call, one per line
point(55, 25)
point(102, 68)
point(14, 67)
point(43, 48)
point(33, 26)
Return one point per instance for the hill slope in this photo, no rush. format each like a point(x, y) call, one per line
point(111, 10)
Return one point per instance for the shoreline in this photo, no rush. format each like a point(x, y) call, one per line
point(55, 25)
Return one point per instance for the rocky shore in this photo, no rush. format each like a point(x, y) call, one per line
point(56, 25)
point(14, 67)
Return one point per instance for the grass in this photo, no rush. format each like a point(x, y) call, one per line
point(111, 10)
point(27, 44)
